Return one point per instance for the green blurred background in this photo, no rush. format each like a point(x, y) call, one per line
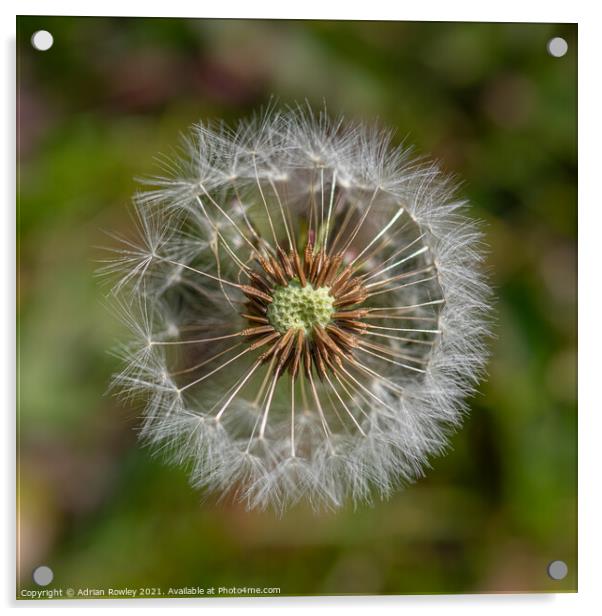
point(492, 105)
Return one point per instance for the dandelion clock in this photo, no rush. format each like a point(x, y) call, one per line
point(307, 305)
point(296, 307)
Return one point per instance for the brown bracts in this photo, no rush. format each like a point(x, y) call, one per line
point(318, 345)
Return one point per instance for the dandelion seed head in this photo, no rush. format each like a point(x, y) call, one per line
point(307, 307)
point(300, 307)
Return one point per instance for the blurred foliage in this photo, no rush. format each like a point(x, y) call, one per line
point(492, 105)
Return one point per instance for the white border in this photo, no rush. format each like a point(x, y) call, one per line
point(590, 140)
point(435, 10)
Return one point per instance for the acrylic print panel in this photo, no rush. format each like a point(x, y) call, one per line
point(297, 307)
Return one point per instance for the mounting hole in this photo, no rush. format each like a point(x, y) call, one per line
point(557, 570)
point(42, 40)
point(557, 47)
point(43, 575)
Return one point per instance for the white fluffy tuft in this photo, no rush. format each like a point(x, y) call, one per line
point(367, 428)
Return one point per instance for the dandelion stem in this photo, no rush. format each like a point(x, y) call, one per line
point(397, 214)
point(320, 410)
point(397, 263)
point(361, 221)
point(228, 217)
point(392, 361)
point(332, 190)
point(336, 393)
point(265, 204)
point(195, 341)
point(238, 388)
point(293, 416)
